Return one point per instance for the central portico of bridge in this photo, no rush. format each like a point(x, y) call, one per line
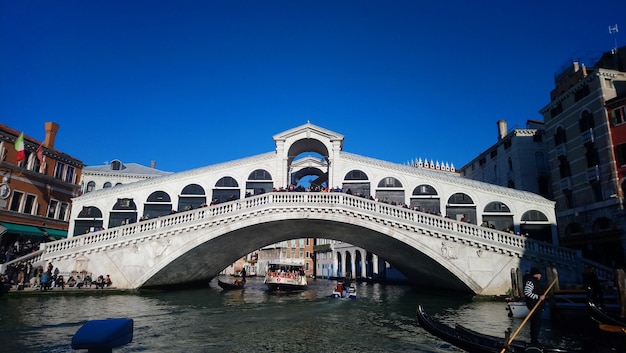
point(438, 228)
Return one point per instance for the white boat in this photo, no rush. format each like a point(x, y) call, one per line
point(517, 309)
point(285, 276)
point(342, 290)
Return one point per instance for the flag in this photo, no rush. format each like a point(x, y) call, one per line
point(40, 158)
point(40, 154)
point(19, 147)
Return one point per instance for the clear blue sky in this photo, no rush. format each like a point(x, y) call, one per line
point(399, 79)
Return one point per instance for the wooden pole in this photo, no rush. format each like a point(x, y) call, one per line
point(506, 345)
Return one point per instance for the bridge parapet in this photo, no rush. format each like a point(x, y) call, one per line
point(394, 216)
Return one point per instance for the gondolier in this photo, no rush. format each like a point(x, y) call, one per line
point(533, 291)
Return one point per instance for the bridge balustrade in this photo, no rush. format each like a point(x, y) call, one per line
point(436, 225)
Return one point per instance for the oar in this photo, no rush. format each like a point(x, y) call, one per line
point(506, 345)
point(612, 328)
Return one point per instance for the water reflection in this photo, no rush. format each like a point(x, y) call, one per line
point(382, 319)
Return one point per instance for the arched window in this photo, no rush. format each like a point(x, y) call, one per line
point(192, 196)
point(107, 185)
point(116, 165)
point(534, 216)
point(89, 220)
point(226, 189)
point(356, 182)
point(560, 136)
point(91, 186)
point(586, 121)
point(158, 204)
point(424, 190)
point(461, 207)
point(124, 212)
point(389, 182)
point(259, 182)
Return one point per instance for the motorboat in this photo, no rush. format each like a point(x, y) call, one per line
point(344, 290)
point(285, 276)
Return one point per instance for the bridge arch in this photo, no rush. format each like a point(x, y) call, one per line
point(213, 250)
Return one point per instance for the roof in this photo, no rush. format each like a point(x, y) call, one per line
point(126, 168)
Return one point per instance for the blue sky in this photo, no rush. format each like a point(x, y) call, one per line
point(399, 79)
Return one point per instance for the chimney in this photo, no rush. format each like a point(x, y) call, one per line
point(501, 129)
point(152, 164)
point(51, 133)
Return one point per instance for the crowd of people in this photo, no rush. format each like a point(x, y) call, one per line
point(22, 275)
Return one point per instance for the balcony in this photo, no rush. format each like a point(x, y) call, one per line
point(587, 136)
point(593, 174)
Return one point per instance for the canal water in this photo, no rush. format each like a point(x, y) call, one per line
point(382, 319)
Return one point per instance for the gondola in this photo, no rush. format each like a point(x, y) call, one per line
point(475, 342)
point(602, 316)
point(238, 284)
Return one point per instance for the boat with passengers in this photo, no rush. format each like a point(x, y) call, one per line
point(285, 276)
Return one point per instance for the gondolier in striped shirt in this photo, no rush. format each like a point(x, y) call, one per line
point(533, 291)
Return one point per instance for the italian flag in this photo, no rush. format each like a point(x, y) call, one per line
point(19, 147)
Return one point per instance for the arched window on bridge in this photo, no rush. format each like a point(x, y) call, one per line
point(124, 212)
point(535, 225)
point(390, 191)
point(107, 185)
point(259, 182)
point(426, 199)
point(192, 196)
point(497, 215)
point(158, 204)
point(226, 189)
point(89, 219)
point(462, 208)
point(357, 182)
point(91, 186)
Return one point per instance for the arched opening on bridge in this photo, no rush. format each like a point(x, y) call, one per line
point(462, 208)
point(124, 212)
point(226, 189)
point(359, 264)
point(340, 265)
point(356, 183)
point(158, 204)
point(308, 163)
point(497, 215)
point(390, 191)
point(89, 219)
point(309, 171)
point(535, 225)
point(426, 199)
point(192, 196)
point(348, 269)
point(259, 182)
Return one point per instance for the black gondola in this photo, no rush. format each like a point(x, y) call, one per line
point(475, 342)
point(238, 284)
point(604, 317)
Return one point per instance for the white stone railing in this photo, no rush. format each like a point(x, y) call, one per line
point(416, 221)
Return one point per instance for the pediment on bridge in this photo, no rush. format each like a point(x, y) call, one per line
point(309, 131)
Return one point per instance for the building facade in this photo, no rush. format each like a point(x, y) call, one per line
point(584, 139)
point(518, 160)
point(35, 193)
point(116, 173)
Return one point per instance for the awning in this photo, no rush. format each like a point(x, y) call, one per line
point(22, 229)
point(55, 233)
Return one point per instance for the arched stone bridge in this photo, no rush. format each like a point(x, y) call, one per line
point(194, 246)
